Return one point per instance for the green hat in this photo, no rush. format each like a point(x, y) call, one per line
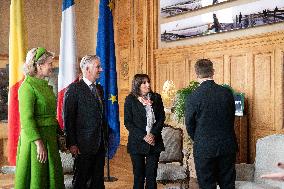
point(39, 52)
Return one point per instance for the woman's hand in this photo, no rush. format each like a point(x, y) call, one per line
point(41, 151)
point(150, 139)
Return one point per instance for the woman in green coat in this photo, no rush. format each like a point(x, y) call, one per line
point(38, 161)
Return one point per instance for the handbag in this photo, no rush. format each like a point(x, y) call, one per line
point(61, 141)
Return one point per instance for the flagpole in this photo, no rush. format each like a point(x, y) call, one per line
point(108, 178)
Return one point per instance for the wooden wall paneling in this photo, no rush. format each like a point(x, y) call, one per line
point(249, 106)
point(162, 74)
point(123, 67)
point(146, 25)
point(123, 41)
point(262, 102)
point(133, 37)
point(139, 21)
point(141, 62)
point(263, 98)
point(193, 57)
point(178, 73)
point(188, 71)
point(238, 76)
point(123, 22)
point(4, 60)
point(137, 43)
point(238, 67)
point(227, 68)
point(218, 65)
point(124, 84)
point(123, 131)
point(217, 57)
point(150, 42)
point(278, 81)
point(192, 74)
point(241, 130)
point(236, 72)
point(123, 88)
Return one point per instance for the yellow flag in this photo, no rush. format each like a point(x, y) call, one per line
point(17, 53)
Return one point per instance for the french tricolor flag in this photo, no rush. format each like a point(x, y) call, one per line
point(68, 54)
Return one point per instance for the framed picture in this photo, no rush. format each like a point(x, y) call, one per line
point(239, 100)
point(176, 7)
point(257, 13)
point(239, 104)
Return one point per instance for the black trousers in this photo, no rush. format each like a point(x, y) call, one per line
point(219, 170)
point(145, 166)
point(89, 170)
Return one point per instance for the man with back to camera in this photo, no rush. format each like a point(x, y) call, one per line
point(209, 119)
point(85, 127)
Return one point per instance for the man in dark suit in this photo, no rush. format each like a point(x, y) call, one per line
point(85, 126)
point(209, 119)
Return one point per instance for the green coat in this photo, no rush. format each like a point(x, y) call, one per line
point(37, 107)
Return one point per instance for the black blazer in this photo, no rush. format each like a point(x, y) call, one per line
point(209, 119)
point(84, 121)
point(135, 122)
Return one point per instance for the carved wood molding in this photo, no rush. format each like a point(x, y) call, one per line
point(4, 60)
point(4, 56)
point(268, 39)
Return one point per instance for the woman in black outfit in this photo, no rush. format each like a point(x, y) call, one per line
point(144, 118)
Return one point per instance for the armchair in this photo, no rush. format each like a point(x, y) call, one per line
point(171, 168)
point(67, 164)
point(269, 151)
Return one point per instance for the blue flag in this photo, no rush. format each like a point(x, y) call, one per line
point(108, 78)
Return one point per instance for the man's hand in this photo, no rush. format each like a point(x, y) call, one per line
point(150, 139)
point(74, 150)
point(280, 165)
point(274, 176)
point(41, 151)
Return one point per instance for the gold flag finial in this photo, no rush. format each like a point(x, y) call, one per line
point(111, 5)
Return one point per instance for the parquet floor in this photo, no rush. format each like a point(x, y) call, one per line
point(120, 168)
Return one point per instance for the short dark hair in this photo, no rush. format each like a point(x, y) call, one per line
point(137, 81)
point(204, 68)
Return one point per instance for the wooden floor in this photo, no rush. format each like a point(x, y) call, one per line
point(120, 168)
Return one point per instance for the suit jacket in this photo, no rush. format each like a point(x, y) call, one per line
point(209, 119)
point(84, 120)
point(135, 121)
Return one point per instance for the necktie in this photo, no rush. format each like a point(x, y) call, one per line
point(94, 90)
point(96, 94)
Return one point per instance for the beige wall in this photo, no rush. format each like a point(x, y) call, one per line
point(43, 23)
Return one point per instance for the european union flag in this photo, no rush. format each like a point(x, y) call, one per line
point(108, 78)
